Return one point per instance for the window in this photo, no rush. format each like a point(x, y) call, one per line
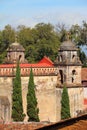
point(20, 57)
point(61, 75)
point(73, 75)
point(73, 58)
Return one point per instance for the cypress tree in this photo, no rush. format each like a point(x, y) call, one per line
point(32, 110)
point(65, 107)
point(17, 107)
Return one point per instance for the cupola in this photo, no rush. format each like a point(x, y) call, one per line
point(15, 52)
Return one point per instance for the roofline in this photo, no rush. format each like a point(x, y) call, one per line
point(67, 64)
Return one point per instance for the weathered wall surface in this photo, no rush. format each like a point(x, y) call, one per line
point(45, 92)
point(48, 96)
point(6, 97)
point(76, 76)
point(76, 100)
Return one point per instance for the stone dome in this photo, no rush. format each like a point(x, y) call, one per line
point(68, 46)
point(16, 47)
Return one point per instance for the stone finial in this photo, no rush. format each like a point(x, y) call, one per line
point(16, 38)
point(68, 36)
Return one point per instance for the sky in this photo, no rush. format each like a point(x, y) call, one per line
point(32, 12)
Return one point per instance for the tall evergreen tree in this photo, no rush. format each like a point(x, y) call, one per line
point(17, 107)
point(65, 107)
point(32, 110)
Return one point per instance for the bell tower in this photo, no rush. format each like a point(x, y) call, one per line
point(69, 71)
point(69, 64)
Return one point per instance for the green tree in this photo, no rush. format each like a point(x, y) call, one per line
point(32, 110)
point(47, 41)
point(83, 57)
point(17, 107)
point(61, 31)
point(7, 36)
point(65, 107)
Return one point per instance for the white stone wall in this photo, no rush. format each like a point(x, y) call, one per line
point(48, 96)
point(6, 90)
point(77, 76)
point(76, 100)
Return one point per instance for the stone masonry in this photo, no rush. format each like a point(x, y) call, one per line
point(49, 79)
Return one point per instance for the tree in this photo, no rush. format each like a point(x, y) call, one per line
point(32, 110)
point(17, 107)
point(61, 31)
point(7, 36)
point(65, 107)
point(83, 58)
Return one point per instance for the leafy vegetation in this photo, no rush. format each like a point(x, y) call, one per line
point(17, 107)
point(65, 107)
point(43, 39)
point(32, 110)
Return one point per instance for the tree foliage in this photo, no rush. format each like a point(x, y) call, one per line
point(17, 107)
point(65, 107)
point(83, 58)
point(32, 110)
point(43, 39)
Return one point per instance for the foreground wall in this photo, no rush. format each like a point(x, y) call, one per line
point(76, 100)
point(48, 97)
point(5, 98)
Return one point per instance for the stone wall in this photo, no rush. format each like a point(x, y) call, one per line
point(48, 96)
point(76, 100)
point(6, 97)
point(45, 92)
point(76, 76)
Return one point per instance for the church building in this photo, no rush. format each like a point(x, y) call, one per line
point(49, 79)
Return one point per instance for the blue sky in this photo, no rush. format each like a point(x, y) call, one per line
point(31, 12)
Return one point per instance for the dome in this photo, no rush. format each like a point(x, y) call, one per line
point(16, 47)
point(68, 46)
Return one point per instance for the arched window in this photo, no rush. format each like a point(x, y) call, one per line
point(73, 58)
point(20, 57)
point(73, 75)
point(61, 75)
point(73, 72)
point(61, 58)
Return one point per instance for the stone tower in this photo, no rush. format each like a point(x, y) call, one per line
point(69, 64)
point(69, 67)
point(15, 52)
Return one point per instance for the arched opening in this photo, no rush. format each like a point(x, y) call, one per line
point(61, 58)
point(61, 75)
point(73, 58)
point(73, 75)
point(73, 72)
point(20, 57)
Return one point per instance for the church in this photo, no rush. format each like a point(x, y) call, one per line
point(49, 79)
